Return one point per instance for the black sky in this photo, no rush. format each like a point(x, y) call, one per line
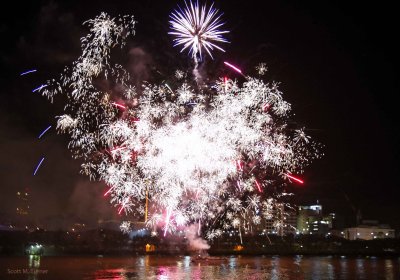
point(336, 62)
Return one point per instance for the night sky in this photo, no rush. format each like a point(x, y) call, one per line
point(336, 63)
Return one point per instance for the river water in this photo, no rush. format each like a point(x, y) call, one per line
point(183, 267)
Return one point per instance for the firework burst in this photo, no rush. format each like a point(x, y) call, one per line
point(197, 28)
point(217, 156)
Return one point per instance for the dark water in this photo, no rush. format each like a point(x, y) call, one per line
point(182, 267)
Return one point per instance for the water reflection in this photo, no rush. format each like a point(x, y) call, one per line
point(31, 271)
point(236, 267)
point(187, 268)
point(360, 268)
point(330, 268)
point(162, 273)
point(34, 261)
point(389, 269)
point(343, 267)
point(232, 262)
point(275, 268)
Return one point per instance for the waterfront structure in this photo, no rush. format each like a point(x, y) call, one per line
point(369, 230)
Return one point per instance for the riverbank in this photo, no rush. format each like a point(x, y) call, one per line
point(109, 242)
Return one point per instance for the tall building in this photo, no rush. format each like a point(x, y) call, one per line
point(290, 221)
point(274, 225)
point(311, 220)
point(283, 221)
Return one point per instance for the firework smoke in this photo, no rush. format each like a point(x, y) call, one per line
point(195, 242)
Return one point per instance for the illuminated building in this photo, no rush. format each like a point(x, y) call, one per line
point(283, 221)
point(369, 230)
point(311, 220)
point(290, 222)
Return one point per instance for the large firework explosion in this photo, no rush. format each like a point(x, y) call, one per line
point(217, 156)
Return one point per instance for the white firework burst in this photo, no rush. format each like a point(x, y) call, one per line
point(216, 155)
point(197, 28)
point(126, 227)
point(179, 74)
point(262, 68)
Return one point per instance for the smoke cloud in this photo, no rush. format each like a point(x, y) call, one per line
point(139, 65)
point(195, 241)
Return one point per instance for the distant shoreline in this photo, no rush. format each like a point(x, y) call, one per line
point(115, 243)
point(232, 254)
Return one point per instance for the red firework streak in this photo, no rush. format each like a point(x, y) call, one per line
point(258, 185)
point(294, 178)
point(119, 105)
point(233, 67)
point(123, 205)
point(226, 84)
point(135, 120)
point(239, 165)
point(107, 192)
point(238, 185)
